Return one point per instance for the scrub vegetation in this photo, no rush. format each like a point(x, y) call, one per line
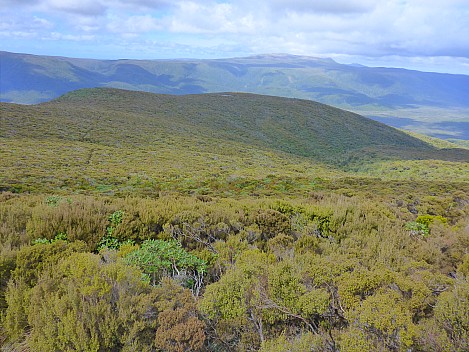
point(227, 222)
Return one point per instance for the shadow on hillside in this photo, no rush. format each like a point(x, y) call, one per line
point(370, 155)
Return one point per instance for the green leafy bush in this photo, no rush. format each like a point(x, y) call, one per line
point(158, 259)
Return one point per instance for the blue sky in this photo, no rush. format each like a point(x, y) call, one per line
point(427, 35)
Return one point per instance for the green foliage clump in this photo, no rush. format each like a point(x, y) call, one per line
point(422, 225)
point(115, 219)
point(61, 236)
point(109, 241)
point(417, 229)
point(158, 259)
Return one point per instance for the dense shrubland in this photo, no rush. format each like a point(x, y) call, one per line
point(327, 272)
point(122, 143)
point(137, 222)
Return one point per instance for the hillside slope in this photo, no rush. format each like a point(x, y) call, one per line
point(108, 136)
point(299, 127)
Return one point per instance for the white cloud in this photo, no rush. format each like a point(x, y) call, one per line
point(213, 18)
point(17, 34)
point(141, 4)
point(80, 7)
point(39, 22)
point(16, 3)
point(22, 27)
point(60, 36)
point(323, 6)
point(83, 24)
point(134, 24)
point(359, 28)
point(36, 23)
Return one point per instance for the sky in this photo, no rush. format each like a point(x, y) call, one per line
point(426, 35)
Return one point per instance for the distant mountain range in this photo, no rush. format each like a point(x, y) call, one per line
point(433, 103)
